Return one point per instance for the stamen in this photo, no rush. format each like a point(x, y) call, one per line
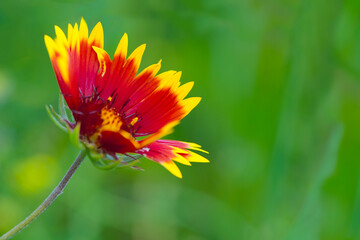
point(82, 95)
point(65, 94)
point(113, 101)
point(78, 112)
point(135, 119)
point(102, 100)
point(130, 156)
point(95, 111)
point(126, 117)
point(125, 103)
point(141, 134)
point(137, 129)
point(86, 97)
point(72, 125)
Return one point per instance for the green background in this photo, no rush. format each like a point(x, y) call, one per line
point(280, 82)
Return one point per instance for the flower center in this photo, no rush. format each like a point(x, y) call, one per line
point(111, 120)
point(105, 128)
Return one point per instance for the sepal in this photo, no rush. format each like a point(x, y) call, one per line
point(131, 160)
point(63, 118)
point(102, 162)
point(74, 135)
point(108, 162)
point(56, 118)
point(65, 113)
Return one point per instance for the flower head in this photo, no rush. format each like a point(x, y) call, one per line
point(119, 110)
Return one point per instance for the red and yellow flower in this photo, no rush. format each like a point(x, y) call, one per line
point(119, 110)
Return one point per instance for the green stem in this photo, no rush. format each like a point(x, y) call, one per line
point(49, 200)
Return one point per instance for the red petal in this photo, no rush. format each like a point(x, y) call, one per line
point(115, 142)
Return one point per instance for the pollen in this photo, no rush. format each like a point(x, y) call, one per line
point(134, 121)
point(111, 120)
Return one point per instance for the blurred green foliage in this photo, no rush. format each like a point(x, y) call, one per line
point(280, 116)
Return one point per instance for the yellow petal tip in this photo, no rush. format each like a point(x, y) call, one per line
point(50, 46)
point(172, 168)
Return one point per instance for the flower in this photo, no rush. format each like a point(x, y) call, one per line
point(118, 110)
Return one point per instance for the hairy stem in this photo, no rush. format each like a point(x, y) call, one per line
point(49, 200)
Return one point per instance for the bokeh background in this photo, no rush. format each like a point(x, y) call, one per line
point(280, 115)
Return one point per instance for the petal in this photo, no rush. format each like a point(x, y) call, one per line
point(122, 47)
point(60, 35)
point(75, 43)
point(74, 61)
point(166, 130)
point(184, 90)
point(180, 159)
point(60, 61)
point(70, 33)
point(122, 73)
point(158, 109)
point(171, 167)
point(97, 36)
point(161, 154)
point(83, 31)
point(141, 86)
point(50, 46)
point(104, 61)
point(119, 58)
point(189, 104)
point(183, 145)
point(194, 157)
point(167, 151)
point(136, 56)
point(117, 142)
point(158, 101)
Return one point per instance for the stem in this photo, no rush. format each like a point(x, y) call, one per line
point(49, 200)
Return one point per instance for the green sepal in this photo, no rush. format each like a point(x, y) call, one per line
point(101, 161)
point(62, 107)
point(106, 162)
point(137, 168)
point(74, 135)
point(64, 110)
point(56, 118)
point(130, 161)
point(132, 165)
